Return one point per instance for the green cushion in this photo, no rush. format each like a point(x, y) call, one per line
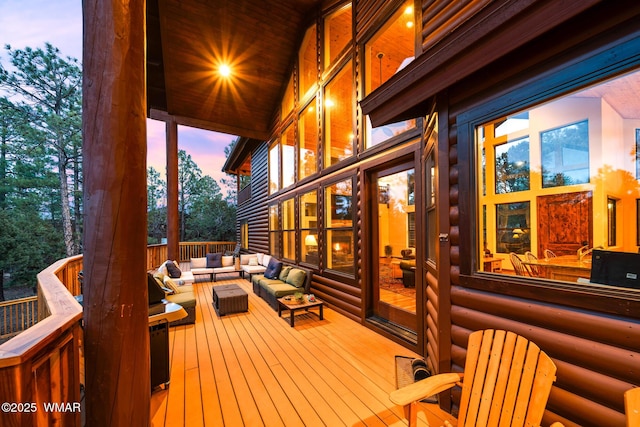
point(297, 277)
point(270, 282)
point(284, 273)
point(185, 299)
point(282, 289)
point(256, 278)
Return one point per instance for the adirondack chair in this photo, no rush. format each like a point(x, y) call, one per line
point(506, 381)
point(632, 407)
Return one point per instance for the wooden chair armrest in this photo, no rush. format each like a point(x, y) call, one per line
point(424, 388)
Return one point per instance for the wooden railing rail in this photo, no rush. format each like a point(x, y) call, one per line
point(190, 250)
point(17, 315)
point(42, 364)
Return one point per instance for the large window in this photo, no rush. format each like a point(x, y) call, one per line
point(309, 228)
point(274, 230)
point(386, 53)
point(274, 168)
point(339, 226)
point(288, 229)
point(308, 63)
point(338, 117)
point(308, 141)
point(557, 180)
point(337, 34)
point(288, 144)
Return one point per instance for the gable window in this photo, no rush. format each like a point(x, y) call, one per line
point(308, 63)
point(337, 34)
point(389, 50)
point(288, 144)
point(338, 117)
point(274, 168)
point(308, 141)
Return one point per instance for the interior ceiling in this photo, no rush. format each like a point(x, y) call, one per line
point(188, 39)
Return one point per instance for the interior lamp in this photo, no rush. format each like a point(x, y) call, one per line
point(311, 242)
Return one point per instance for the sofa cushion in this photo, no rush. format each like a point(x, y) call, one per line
point(281, 289)
point(260, 257)
point(185, 299)
point(227, 260)
point(296, 277)
point(273, 269)
point(284, 273)
point(173, 270)
point(265, 260)
point(245, 259)
point(214, 260)
point(198, 263)
point(253, 261)
point(169, 283)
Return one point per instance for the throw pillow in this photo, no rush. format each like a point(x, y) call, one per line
point(199, 262)
point(214, 260)
point(273, 269)
point(284, 273)
point(253, 261)
point(265, 260)
point(163, 268)
point(227, 260)
point(297, 277)
point(170, 284)
point(173, 269)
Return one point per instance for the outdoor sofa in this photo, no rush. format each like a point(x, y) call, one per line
point(279, 280)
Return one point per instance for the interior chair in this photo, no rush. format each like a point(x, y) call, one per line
point(518, 266)
point(548, 254)
point(533, 269)
point(507, 380)
point(632, 407)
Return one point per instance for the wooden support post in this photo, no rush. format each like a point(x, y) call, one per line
point(117, 364)
point(173, 219)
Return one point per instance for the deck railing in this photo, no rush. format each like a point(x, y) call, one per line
point(42, 364)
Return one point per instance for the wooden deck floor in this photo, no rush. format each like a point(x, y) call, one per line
point(253, 369)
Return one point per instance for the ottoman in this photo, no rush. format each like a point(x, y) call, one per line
point(230, 299)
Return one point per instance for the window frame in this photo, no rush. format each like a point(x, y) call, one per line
point(558, 78)
point(328, 228)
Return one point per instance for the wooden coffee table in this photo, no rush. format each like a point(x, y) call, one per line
point(293, 305)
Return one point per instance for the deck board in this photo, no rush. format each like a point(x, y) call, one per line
point(253, 369)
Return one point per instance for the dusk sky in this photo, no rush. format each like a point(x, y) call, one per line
point(31, 23)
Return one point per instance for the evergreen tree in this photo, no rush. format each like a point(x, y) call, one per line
point(47, 89)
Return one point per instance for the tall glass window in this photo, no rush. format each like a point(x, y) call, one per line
point(288, 144)
point(288, 229)
point(308, 141)
point(386, 53)
point(309, 228)
point(274, 230)
point(337, 33)
point(339, 226)
point(338, 117)
point(308, 63)
point(274, 168)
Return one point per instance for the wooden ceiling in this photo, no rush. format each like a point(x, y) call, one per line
point(187, 41)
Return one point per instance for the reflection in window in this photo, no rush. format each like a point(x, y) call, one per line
point(288, 229)
point(308, 141)
point(513, 233)
point(274, 168)
point(386, 53)
point(565, 155)
point(338, 117)
point(308, 63)
point(288, 144)
point(309, 228)
point(339, 226)
point(337, 33)
point(582, 170)
point(512, 166)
